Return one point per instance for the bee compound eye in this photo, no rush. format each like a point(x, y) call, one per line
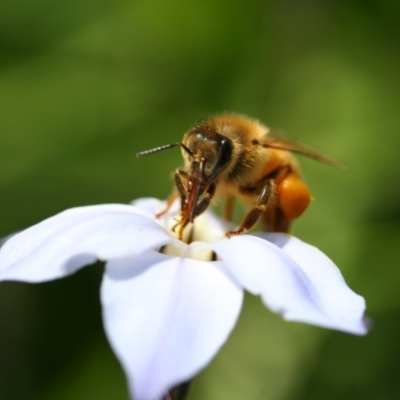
point(225, 152)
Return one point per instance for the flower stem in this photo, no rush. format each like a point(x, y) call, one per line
point(179, 392)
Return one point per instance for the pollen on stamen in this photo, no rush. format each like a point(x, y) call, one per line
point(195, 251)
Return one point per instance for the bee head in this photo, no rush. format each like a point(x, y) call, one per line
point(206, 153)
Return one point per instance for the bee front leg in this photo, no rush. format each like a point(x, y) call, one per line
point(181, 185)
point(205, 202)
point(174, 195)
point(179, 191)
point(254, 214)
point(199, 209)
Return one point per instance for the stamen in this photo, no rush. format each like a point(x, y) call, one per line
point(183, 250)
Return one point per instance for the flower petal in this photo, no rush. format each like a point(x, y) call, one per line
point(334, 297)
point(166, 317)
point(285, 287)
point(64, 243)
point(151, 206)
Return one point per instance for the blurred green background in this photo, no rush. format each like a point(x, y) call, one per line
point(86, 84)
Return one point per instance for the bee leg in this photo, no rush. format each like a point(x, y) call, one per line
point(228, 212)
point(179, 191)
point(254, 214)
point(294, 198)
point(199, 209)
point(181, 224)
point(174, 195)
point(275, 221)
point(181, 186)
point(205, 202)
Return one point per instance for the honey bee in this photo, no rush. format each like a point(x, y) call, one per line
point(230, 156)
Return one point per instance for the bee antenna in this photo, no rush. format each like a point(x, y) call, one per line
point(156, 149)
point(165, 147)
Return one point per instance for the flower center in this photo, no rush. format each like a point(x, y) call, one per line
point(205, 228)
point(196, 250)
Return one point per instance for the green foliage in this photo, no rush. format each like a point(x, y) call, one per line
point(84, 85)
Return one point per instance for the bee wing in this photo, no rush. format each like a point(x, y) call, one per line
point(295, 147)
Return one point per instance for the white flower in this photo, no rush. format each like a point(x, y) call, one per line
point(167, 306)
